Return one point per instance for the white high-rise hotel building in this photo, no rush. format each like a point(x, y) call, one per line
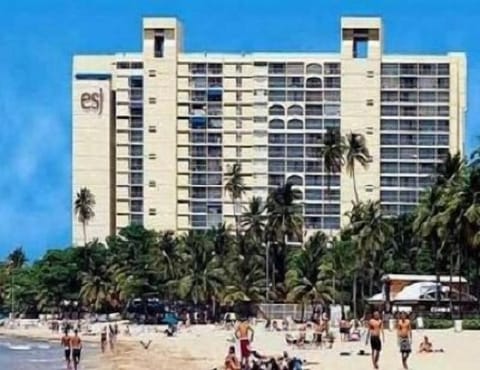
point(155, 132)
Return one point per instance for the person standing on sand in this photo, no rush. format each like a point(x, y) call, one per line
point(404, 332)
point(103, 339)
point(76, 343)
point(243, 334)
point(375, 328)
point(65, 343)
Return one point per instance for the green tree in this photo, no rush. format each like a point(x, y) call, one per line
point(202, 276)
point(84, 204)
point(235, 188)
point(254, 219)
point(305, 279)
point(332, 152)
point(356, 152)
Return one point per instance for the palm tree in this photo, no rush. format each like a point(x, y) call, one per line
point(235, 188)
point(356, 152)
point(332, 152)
point(305, 279)
point(426, 223)
point(371, 232)
point(17, 258)
point(285, 223)
point(253, 219)
point(84, 204)
point(203, 277)
point(245, 272)
point(450, 168)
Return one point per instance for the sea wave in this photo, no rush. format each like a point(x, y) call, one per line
point(20, 347)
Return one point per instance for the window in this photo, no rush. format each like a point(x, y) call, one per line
point(276, 180)
point(136, 136)
point(408, 182)
point(215, 68)
point(276, 110)
point(238, 124)
point(316, 96)
point(136, 192)
point(136, 65)
point(389, 96)
point(295, 82)
point(295, 110)
point(276, 82)
point(152, 156)
point(136, 164)
point(409, 111)
point(238, 82)
point(408, 168)
point(389, 167)
point(388, 110)
point(331, 110)
point(442, 125)
point(332, 68)
point(152, 211)
point(389, 124)
point(152, 184)
point(408, 96)
point(389, 139)
point(389, 153)
point(442, 140)
point(295, 68)
point(276, 166)
point(313, 166)
point(332, 82)
point(408, 69)
point(311, 194)
point(390, 69)
point(136, 206)
point(390, 83)
point(428, 69)
point(294, 166)
point(135, 82)
point(427, 97)
point(313, 124)
point(136, 219)
point(408, 125)
point(136, 150)
point(313, 110)
point(136, 178)
point(314, 83)
point(313, 209)
point(123, 65)
point(408, 153)
point(276, 68)
point(314, 68)
point(276, 95)
point(276, 138)
point(426, 125)
point(238, 68)
point(443, 69)
point(312, 152)
point(152, 129)
point(152, 100)
point(443, 83)
point(198, 68)
point(276, 152)
point(389, 181)
point(294, 152)
point(427, 83)
point(295, 95)
point(408, 82)
point(426, 111)
point(408, 139)
point(159, 41)
point(330, 96)
point(276, 124)
point(295, 180)
point(295, 138)
point(295, 124)
point(426, 153)
point(199, 221)
point(314, 180)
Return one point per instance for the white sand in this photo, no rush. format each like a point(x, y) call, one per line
point(204, 348)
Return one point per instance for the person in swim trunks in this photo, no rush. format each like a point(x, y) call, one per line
point(103, 339)
point(65, 343)
point(245, 334)
point(375, 328)
point(404, 333)
point(76, 344)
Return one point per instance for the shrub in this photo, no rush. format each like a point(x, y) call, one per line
point(438, 324)
point(471, 324)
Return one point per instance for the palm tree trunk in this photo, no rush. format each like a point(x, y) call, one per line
point(354, 293)
point(84, 233)
point(437, 269)
point(460, 311)
point(355, 187)
point(234, 202)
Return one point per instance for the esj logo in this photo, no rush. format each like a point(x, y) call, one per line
point(92, 101)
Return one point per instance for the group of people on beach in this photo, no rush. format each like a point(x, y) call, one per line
point(72, 345)
point(111, 337)
point(404, 338)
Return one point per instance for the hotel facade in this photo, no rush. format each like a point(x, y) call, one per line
point(156, 132)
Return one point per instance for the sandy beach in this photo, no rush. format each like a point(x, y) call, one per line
point(204, 348)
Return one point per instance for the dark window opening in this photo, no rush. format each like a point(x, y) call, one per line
point(158, 46)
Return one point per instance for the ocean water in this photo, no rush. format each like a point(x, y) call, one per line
point(18, 354)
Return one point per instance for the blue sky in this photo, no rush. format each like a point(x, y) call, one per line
point(38, 39)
